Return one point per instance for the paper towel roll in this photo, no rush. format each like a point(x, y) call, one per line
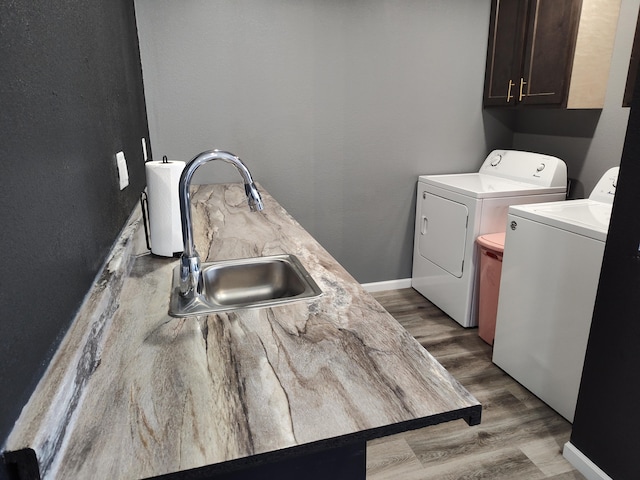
point(164, 208)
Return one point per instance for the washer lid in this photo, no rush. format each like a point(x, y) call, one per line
point(480, 185)
point(584, 217)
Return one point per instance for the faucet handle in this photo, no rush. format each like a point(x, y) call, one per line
point(190, 278)
point(253, 197)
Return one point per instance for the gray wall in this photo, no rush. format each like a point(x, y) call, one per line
point(336, 106)
point(71, 96)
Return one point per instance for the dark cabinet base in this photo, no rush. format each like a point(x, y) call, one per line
point(341, 463)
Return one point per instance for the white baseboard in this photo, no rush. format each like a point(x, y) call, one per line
point(582, 463)
point(387, 285)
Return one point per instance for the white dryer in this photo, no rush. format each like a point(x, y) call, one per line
point(452, 210)
point(550, 272)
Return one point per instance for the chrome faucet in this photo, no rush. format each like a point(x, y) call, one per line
point(190, 277)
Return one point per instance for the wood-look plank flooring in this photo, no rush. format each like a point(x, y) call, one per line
point(520, 437)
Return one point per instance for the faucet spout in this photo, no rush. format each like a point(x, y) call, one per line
point(190, 278)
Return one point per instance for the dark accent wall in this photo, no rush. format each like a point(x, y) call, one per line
point(71, 96)
point(607, 418)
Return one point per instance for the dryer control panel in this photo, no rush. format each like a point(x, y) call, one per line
point(536, 168)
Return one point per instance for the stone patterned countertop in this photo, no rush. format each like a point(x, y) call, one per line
point(134, 393)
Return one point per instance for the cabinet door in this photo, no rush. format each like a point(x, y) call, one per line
point(550, 43)
point(505, 52)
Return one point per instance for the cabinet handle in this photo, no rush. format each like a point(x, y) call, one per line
point(509, 96)
point(522, 94)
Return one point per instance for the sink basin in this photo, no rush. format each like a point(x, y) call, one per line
point(245, 283)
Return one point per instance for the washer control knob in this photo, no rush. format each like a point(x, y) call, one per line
point(496, 160)
point(513, 225)
point(540, 167)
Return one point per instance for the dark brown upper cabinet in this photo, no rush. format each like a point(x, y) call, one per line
point(549, 52)
point(634, 63)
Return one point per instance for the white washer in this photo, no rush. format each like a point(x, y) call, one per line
point(452, 210)
point(550, 271)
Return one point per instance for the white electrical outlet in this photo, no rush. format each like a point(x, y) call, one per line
point(145, 157)
point(123, 172)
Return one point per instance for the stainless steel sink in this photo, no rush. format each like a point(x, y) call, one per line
point(245, 283)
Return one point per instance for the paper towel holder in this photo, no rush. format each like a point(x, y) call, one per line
point(153, 212)
point(144, 205)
